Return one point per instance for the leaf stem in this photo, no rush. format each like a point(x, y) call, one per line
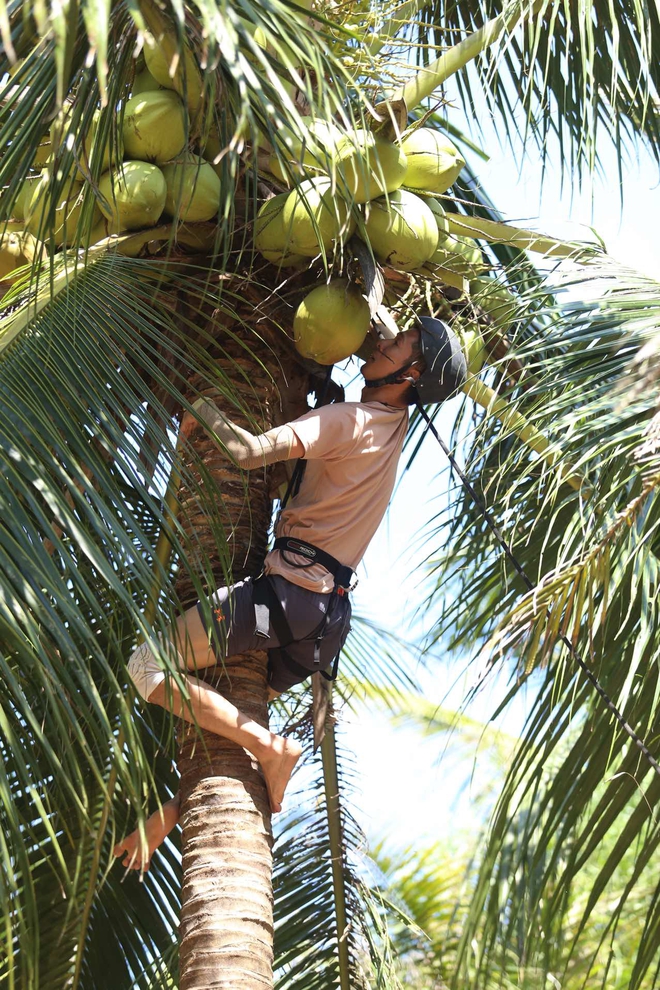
point(426, 80)
point(504, 233)
point(335, 833)
point(489, 400)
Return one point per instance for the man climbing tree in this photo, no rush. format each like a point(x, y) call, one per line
point(298, 609)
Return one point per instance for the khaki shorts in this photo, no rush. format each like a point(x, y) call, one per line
point(232, 628)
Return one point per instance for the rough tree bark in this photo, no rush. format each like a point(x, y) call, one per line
point(226, 915)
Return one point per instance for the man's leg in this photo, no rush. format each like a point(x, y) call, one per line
point(209, 709)
point(157, 828)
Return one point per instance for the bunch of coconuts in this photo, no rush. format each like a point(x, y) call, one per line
point(392, 186)
point(158, 177)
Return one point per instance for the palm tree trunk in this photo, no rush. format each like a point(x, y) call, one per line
point(226, 913)
point(227, 909)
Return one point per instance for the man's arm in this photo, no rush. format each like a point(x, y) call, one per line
point(245, 449)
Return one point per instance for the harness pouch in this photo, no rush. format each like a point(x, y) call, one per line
point(305, 613)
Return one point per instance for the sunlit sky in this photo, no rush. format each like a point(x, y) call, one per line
point(409, 791)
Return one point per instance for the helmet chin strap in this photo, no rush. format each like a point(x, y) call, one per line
point(394, 378)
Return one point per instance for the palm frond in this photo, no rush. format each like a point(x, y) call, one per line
point(575, 779)
point(87, 392)
point(566, 78)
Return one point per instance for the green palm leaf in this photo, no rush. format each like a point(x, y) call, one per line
point(580, 76)
point(576, 781)
point(306, 952)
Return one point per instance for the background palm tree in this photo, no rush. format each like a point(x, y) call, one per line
point(100, 353)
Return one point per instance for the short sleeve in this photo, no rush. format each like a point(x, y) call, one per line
point(328, 433)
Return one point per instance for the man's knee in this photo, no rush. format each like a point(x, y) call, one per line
point(147, 673)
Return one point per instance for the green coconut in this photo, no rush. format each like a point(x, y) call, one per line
point(402, 232)
point(434, 163)
point(193, 189)
point(473, 345)
point(168, 68)
point(459, 254)
point(493, 297)
point(291, 171)
point(24, 196)
point(87, 152)
point(12, 226)
point(133, 196)
point(438, 211)
point(93, 148)
point(56, 218)
point(317, 153)
point(12, 256)
point(43, 153)
point(154, 127)
point(370, 165)
point(144, 82)
point(331, 322)
point(315, 219)
point(270, 235)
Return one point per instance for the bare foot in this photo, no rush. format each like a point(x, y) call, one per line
point(157, 827)
point(277, 766)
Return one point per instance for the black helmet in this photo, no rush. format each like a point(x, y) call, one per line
point(446, 367)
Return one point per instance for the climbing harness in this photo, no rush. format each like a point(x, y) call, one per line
point(267, 606)
point(438, 329)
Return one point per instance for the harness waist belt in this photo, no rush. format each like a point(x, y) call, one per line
point(342, 574)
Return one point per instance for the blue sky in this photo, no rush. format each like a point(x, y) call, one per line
point(409, 790)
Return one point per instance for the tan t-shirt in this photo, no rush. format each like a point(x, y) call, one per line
point(352, 451)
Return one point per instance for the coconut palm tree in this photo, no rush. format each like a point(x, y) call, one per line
point(103, 345)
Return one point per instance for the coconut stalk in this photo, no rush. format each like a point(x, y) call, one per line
point(518, 237)
point(427, 79)
point(550, 452)
point(401, 16)
point(335, 834)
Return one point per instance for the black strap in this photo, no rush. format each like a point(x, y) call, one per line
point(342, 574)
point(332, 676)
point(296, 478)
point(267, 609)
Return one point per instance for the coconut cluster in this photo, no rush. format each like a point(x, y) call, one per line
point(391, 188)
point(339, 184)
point(157, 177)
